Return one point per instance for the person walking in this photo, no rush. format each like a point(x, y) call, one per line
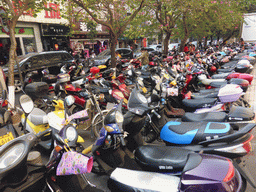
point(144, 58)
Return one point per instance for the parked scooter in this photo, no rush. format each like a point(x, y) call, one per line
point(39, 120)
point(7, 130)
point(223, 139)
point(158, 168)
point(19, 173)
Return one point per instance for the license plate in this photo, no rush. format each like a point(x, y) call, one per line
point(6, 138)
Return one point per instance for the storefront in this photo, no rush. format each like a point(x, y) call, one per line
point(81, 41)
point(54, 37)
point(26, 38)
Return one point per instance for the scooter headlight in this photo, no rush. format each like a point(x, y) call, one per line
point(71, 134)
point(142, 98)
point(69, 100)
point(11, 155)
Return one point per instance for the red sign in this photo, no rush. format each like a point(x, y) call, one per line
point(54, 13)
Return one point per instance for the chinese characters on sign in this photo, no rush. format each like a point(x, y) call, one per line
point(83, 27)
point(54, 13)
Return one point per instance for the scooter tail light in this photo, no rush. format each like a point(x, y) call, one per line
point(243, 148)
point(247, 144)
point(231, 172)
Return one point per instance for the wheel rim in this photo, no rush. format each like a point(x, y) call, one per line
point(18, 85)
point(98, 123)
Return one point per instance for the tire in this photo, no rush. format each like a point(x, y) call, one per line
point(244, 184)
point(17, 85)
point(97, 123)
point(148, 135)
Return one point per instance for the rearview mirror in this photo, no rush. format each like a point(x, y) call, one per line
point(26, 103)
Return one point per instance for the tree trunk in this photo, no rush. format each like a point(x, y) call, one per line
point(205, 42)
point(184, 40)
point(113, 41)
point(166, 43)
point(12, 54)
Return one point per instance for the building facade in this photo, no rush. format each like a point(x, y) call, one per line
point(45, 32)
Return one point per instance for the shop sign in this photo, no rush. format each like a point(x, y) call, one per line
point(54, 30)
point(20, 30)
point(83, 27)
point(54, 13)
point(83, 36)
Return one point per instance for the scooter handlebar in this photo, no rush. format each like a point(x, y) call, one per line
point(158, 115)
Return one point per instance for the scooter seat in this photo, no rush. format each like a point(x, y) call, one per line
point(206, 91)
point(162, 158)
point(220, 76)
point(132, 180)
point(38, 117)
point(199, 103)
point(209, 81)
point(98, 89)
point(227, 70)
point(238, 113)
point(186, 133)
point(208, 116)
point(199, 95)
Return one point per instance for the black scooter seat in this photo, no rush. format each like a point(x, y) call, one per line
point(199, 95)
point(164, 158)
point(220, 76)
point(98, 89)
point(228, 70)
point(199, 103)
point(208, 116)
point(207, 91)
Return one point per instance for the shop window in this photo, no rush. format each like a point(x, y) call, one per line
point(29, 44)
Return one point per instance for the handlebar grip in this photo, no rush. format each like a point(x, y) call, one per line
point(158, 116)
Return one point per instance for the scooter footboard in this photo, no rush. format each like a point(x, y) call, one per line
point(131, 180)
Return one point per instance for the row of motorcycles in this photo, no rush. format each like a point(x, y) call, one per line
point(200, 127)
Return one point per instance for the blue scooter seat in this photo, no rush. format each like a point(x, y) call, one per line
point(185, 133)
